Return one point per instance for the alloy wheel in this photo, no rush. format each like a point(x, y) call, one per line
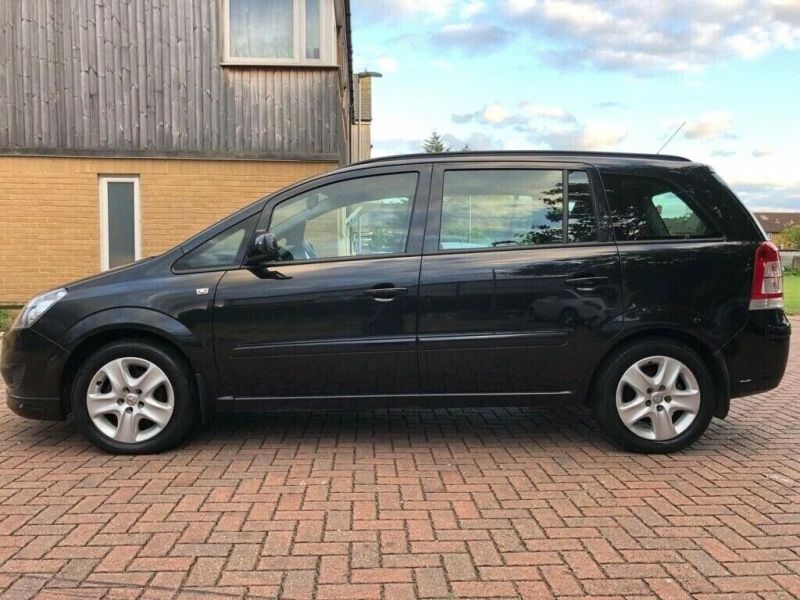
point(130, 400)
point(658, 398)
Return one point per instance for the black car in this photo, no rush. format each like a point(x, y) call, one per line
point(636, 284)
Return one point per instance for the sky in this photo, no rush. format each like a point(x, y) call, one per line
point(617, 75)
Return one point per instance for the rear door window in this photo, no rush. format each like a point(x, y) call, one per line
point(497, 208)
point(646, 208)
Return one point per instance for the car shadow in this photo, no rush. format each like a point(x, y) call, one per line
point(550, 430)
point(546, 425)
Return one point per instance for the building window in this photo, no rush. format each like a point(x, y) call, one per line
point(279, 32)
point(120, 237)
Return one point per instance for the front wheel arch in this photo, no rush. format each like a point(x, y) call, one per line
point(87, 347)
point(713, 362)
point(183, 404)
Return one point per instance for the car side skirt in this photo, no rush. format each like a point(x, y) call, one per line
point(254, 405)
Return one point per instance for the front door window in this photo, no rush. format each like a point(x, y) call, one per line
point(360, 217)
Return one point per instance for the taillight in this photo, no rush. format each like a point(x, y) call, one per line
point(767, 278)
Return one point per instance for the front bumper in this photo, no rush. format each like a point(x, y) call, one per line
point(31, 366)
point(756, 357)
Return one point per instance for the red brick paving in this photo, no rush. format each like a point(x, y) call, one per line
point(494, 503)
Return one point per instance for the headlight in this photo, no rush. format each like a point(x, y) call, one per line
point(37, 307)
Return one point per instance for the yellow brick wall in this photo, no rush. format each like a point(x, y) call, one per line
point(50, 209)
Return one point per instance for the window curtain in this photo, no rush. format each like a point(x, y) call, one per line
point(262, 28)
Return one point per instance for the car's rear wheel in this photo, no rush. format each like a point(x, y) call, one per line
point(655, 396)
point(133, 397)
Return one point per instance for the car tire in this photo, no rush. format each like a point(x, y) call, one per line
point(134, 396)
point(641, 409)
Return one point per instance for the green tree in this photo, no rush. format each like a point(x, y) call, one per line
point(788, 239)
point(793, 235)
point(434, 144)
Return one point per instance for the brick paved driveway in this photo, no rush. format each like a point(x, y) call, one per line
point(400, 504)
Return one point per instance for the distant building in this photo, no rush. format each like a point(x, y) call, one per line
point(127, 126)
point(361, 146)
point(775, 223)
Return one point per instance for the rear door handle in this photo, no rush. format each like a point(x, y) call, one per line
point(586, 284)
point(385, 294)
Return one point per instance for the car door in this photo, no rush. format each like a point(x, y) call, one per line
point(517, 295)
point(335, 316)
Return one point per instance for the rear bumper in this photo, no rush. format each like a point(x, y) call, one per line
point(31, 366)
point(756, 358)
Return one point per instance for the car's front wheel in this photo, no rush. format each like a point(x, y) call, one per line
point(133, 397)
point(655, 396)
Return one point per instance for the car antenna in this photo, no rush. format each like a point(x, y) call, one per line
point(670, 137)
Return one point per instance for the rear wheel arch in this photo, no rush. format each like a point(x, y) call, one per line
point(712, 360)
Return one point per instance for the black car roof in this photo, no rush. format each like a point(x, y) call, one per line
point(607, 158)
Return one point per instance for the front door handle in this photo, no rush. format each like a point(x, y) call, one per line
point(386, 294)
point(586, 284)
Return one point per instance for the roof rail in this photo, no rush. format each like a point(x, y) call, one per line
point(522, 153)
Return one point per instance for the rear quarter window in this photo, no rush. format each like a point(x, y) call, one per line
point(648, 208)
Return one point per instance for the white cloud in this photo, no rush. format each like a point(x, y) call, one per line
point(762, 178)
point(470, 37)
point(546, 112)
point(472, 8)
point(382, 63)
point(766, 196)
point(386, 64)
point(393, 146)
point(495, 114)
point(679, 35)
point(600, 136)
point(438, 8)
point(416, 9)
point(520, 6)
point(551, 126)
point(402, 133)
point(578, 15)
point(710, 126)
point(473, 141)
point(785, 9)
point(593, 136)
point(683, 36)
point(407, 144)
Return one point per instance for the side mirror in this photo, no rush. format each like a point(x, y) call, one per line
point(265, 247)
